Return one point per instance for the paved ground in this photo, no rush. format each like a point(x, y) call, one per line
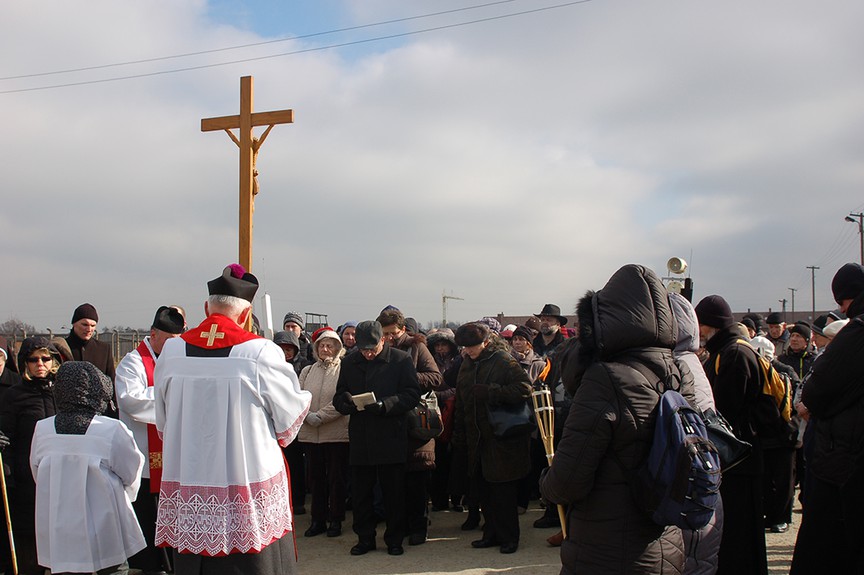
point(449, 552)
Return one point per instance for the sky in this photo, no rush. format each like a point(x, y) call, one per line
point(511, 154)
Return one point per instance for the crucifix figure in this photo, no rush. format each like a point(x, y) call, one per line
point(249, 146)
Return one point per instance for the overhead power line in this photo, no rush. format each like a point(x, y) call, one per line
point(255, 44)
point(283, 54)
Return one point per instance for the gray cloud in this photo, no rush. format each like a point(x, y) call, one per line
point(513, 163)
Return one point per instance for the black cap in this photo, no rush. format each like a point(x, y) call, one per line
point(234, 281)
point(85, 311)
point(801, 329)
point(774, 318)
point(368, 334)
point(819, 324)
point(169, 320)
point(713, 311)
point(848, 282)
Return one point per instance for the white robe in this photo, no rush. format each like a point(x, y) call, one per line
point(224, 483)
point(135, 400)
point(84, 488)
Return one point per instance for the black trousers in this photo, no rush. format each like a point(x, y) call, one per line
point(416, 501)
point(742, 549)
point(778, 488)
point(498, 502)
point(150, 558)
point(297, 467)
point(392, 480)
point(328, 476)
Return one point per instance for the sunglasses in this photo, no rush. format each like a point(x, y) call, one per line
point(38, 358)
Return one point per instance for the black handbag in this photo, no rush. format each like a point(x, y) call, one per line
point(510, 419)
point(424, 421)
point(731, 450)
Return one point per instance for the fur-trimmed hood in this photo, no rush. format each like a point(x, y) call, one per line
point(631, 311)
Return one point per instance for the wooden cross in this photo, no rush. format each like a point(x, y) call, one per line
point(212, 335)
point(249, 146)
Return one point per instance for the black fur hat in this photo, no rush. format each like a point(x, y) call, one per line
point(471, 334)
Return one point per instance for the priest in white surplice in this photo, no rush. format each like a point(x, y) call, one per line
point(226, 399)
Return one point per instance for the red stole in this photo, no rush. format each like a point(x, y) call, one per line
point(154, 443)
point(217, 332)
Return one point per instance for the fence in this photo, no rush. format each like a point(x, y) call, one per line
point(122, 342)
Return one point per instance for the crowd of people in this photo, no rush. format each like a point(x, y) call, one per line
point(198, 452)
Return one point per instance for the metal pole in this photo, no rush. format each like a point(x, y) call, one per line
point(793, 290)
point(859, 217)
point(813, 287)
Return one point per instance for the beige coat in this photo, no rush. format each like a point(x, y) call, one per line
point(323, 423)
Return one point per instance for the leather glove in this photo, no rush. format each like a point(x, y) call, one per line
point(376, 408)
point(481, 391)
point(346, 399)
point(4, 441)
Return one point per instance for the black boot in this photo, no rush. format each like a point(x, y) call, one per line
point(317, 528)
point(334, 529)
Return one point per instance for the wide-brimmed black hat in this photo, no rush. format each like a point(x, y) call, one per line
point(234, 281)
point(553, 310)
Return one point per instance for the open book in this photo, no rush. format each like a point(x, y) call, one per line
point(364, 399)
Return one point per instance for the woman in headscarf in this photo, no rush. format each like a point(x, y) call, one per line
point(87, 469)
point(21, 406)
point(324, 436)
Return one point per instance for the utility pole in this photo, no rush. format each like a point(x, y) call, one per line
point(793, 290)
point(813, 288)
point(783, 304)
point(444, 298)
point(859, 217)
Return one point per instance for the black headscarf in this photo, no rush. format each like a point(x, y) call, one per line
point(80, 391)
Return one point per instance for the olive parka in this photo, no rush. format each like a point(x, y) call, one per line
point(501, 460)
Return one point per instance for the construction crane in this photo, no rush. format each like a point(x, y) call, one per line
point(444, 298)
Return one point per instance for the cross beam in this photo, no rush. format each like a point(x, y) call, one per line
point(249, 146)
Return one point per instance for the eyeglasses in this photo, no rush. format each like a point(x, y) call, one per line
point(38, 358)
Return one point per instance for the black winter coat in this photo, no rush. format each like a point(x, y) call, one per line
point(737, 394)
point(21, 406)
point(626, 331)
point(378, 439)
point(834, 395)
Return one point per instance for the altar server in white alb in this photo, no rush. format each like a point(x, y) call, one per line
point(226, 400)
point(137, 405)
point(87, 468)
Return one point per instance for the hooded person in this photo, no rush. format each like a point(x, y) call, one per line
point(324, 436)
point(21, 406)
point(226, 400)
point(834, 397)
point(701, 545)
point(87, 470)
point(626, 330)
point(8, 374)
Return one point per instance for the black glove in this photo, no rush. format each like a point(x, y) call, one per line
point(4, 441)
point(481, 391)
point(376, 408)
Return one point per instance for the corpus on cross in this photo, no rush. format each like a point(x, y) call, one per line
point(249, 146)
